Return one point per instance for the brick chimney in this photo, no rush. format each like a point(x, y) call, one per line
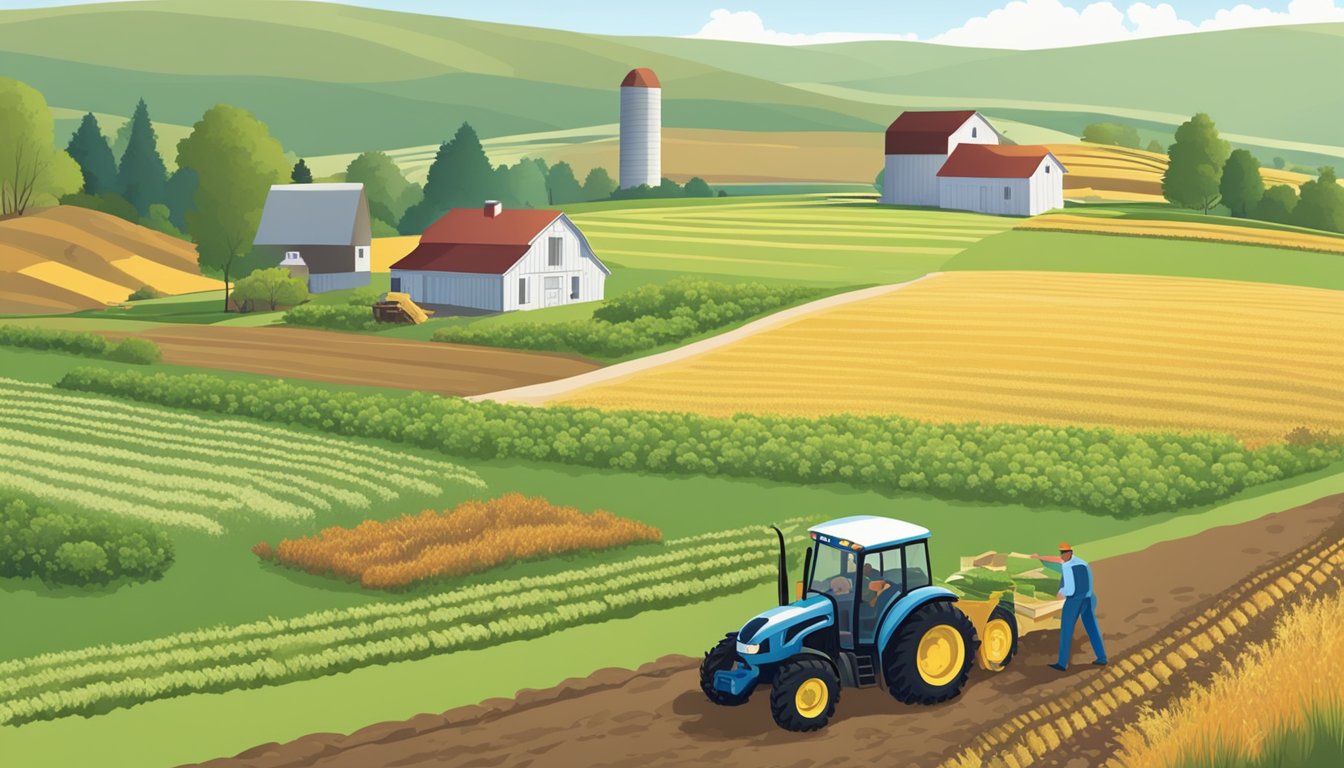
point(493, 208)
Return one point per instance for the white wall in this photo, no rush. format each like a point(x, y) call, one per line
point(458, 289)
point(641, 137)
point(1041, 192)
point(976, 130)
point(336, 281)
point(575, 261)
point(912, 179)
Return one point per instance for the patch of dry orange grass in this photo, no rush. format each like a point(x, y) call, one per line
point(1186, 230)
point(472, 537)
point(1273, 689)
point(1125, 351)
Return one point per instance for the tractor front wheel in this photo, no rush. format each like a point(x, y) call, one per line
point(929, 659)
point(721, 657)
point(804, 694)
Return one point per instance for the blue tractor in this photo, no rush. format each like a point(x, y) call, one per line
point(866, 613)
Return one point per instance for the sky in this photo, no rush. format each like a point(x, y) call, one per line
point(984, 23)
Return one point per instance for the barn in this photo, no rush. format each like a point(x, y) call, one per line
point(488, 259)
point(958, 160)
point(1002, 180)
point(320, 232)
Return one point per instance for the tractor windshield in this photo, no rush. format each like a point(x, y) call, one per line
point(833, 571)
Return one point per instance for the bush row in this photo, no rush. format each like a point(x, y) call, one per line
point(647, 317)
point(1093, 469)
point(128, 350)
point(334, 317)
point(83, 550)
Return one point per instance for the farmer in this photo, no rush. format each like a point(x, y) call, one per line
point(1075, 587)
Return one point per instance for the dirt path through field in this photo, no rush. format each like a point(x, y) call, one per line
point(658, 717)
point(350, 358)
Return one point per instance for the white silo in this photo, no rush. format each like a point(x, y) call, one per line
point(641, 129)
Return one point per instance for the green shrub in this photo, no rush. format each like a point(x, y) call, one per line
point(365, 296)
point(647, 317)
point(135, 350)
point(81, 550)
point(1093, 469)
point(144, 292)
point(337, 317)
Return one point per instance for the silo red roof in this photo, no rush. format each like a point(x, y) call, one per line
point(641, 77)
point(924, 133)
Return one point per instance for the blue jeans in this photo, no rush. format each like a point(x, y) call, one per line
point(1075, 608)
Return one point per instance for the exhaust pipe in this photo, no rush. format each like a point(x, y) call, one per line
point(783, 569)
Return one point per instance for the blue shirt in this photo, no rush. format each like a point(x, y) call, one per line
point(1077, 578)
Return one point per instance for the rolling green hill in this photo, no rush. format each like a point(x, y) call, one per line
point(332, 79)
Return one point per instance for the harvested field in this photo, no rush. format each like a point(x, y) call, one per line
point(358, 359)
point(1119, 173)
point(1187, 230)
point(1133, 352)
point(657, 716)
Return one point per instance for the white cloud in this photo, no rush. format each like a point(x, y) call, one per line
point(747, 27)
point(1026, 24)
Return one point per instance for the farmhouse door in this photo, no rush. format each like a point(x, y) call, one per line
point(984, 200)
point(553, 287)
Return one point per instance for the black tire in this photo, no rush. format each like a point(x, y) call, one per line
point(900, 661)
point(989, 647)
point(810, 675)
point(722, 656)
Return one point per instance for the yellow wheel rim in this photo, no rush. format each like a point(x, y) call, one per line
point(811, 698)
point(998, 641)
point(941, 655)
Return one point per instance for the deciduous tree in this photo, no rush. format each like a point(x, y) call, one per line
point(1241, 186)
point(274, 287)
point(1112, 134)
point(698, 187)
point(236, 161)
point(1156, 146)
point(384, 185)
point(1196, 162)
point(562, 185)
point(1322, 203)
point(88, 146)
point(598, 184)
point(32, 170)
point(142, 174)
point(300, 173)
point(1276, 205)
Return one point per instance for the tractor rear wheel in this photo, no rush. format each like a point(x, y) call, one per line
point(998, 645)
point(721, 657)
point(804, 694)
point(929, 659)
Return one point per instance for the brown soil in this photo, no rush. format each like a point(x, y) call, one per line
point(657, 715)
point(349, 358)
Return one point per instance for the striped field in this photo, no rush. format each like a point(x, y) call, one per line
point(1098, 172)
point(1212, 231)
point(1024, 347)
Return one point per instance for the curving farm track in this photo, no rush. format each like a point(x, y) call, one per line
point(1170, 614)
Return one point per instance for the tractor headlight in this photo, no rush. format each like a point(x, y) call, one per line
point(749, 647)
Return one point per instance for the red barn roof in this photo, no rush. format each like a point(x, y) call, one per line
point(924, 133)
point(462, 257)
point(518, 226)
point(995, 161)
point(641, 77)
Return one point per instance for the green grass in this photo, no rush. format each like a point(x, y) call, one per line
point(1168, 212)
point(1069, 252)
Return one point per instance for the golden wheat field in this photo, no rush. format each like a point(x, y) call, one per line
point(1135, 352)
point(1123, 174)
point(1187, 230)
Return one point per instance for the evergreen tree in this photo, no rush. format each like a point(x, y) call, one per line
point(1241, 186)
point(562, 186)
point(1277, 204)
point(142, 174)
point(88, 146)
point(1196, 162)
point(460, 177)
point(179, 195)
point(598, 185)
point(1322, 203)
point(300, 174)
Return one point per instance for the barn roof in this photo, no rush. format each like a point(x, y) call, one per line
point(641, 77)
point(508, 227)
point(462, 257)
point(924, 133)
point(314, 214)
point(996, 161)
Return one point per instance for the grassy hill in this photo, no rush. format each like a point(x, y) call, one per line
point(64, 259)
point(332, 79)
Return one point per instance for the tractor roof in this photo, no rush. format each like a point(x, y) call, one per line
point(870, 531)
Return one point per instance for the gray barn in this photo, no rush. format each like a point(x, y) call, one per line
point(320, 231)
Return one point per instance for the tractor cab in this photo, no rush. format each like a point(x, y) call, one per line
point(865, 612)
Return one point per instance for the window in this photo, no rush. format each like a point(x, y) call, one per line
point(361, 252)
point(881, 578)
point(574, 287)
point(557, 247)
point(291, 255)
point(1047, 169)
point(1007, 193)
point(916, 566)
point(396, 285)
point(522, 290)
point(974, 132)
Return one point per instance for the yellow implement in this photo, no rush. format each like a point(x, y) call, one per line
point(997, 634)
point(398, 307)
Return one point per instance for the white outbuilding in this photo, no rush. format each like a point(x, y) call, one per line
point(488, 259)
point(958, 160)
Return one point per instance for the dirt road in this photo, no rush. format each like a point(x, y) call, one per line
point(658, 717)
point(351, 358)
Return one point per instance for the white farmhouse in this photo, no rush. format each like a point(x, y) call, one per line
point(958, 160)
point(491, 260)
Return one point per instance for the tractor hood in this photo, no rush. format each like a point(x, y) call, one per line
point(774, 630)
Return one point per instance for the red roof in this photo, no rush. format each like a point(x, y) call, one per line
point(462, 257)
point(924, 133)
point(470, 225)
point(641, 77)
point(994, 161)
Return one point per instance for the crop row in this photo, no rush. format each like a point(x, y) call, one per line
point(294, 654)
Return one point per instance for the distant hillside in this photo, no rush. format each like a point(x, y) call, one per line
point(332, 79)
point(65, 259)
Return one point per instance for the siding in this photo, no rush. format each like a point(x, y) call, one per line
point(575, 261)
point(321, 259)
point(1036, 195)
point(912, 179)
point(336, 281)
point(641, 137)
point(457, 289)
point(984, 133)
